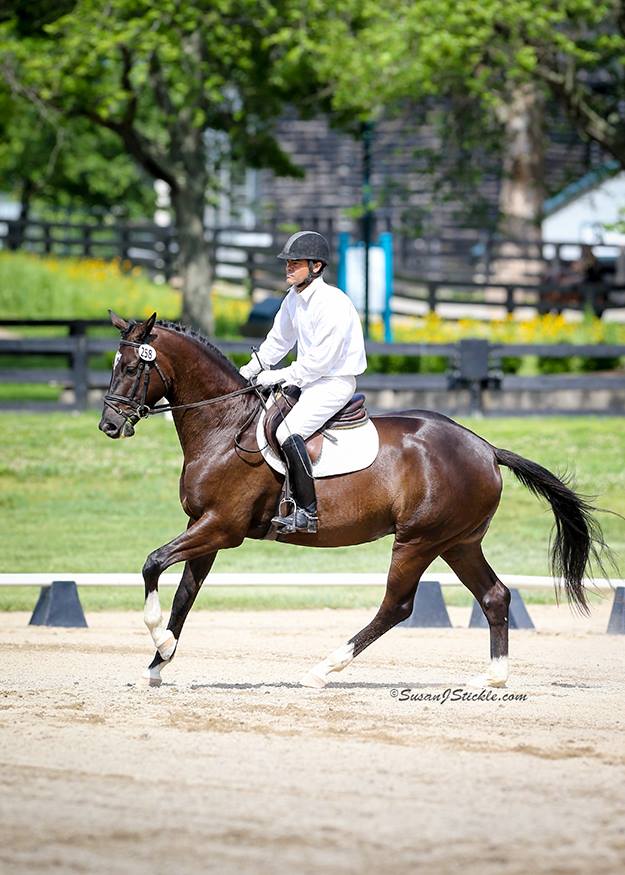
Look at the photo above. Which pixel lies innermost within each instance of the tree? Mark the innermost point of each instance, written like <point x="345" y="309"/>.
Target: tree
<point x="166" y="80"/>
<point x="500" y="61"/>
<point x="61" y="163"/>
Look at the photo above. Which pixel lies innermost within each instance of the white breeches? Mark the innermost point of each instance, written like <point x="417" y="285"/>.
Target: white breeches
<point x="317" y="403"/>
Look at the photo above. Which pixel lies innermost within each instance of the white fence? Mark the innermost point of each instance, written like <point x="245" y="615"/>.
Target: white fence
<point x="277" y="579"/>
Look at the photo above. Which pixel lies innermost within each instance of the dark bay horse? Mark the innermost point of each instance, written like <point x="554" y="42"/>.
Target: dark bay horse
<point x="435" y="486"/>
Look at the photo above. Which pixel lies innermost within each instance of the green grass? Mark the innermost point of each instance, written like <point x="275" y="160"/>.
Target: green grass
<point x="249" y="598"/>
<point x="73" y="501"/>
<point x="29" y="392"/>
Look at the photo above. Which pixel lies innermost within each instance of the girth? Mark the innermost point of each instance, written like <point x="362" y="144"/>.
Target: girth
<point x="353" y="414"/>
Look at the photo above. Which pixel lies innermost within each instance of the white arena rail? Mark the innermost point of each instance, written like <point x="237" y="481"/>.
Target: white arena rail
<point x="277" y="579"/>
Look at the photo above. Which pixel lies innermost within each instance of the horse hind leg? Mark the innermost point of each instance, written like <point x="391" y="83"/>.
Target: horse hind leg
<point x="407" y="565"/>
<point x="469" y="564"/>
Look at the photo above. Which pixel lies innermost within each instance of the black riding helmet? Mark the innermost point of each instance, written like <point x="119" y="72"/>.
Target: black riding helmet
<point x="308" y="245"/>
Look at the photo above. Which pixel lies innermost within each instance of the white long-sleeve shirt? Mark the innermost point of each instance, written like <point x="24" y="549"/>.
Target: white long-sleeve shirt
<point x="325" y="325"/>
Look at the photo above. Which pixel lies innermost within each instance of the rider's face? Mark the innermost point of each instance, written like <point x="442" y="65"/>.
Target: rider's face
<point x="297" y="271"/>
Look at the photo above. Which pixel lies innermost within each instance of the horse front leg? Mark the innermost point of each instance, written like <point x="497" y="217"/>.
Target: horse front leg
<point x="201" y="541"/>
<point x="193" y="576"/>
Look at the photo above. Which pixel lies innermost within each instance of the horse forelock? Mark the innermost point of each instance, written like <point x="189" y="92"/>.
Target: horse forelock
<point x="203" y="342"/>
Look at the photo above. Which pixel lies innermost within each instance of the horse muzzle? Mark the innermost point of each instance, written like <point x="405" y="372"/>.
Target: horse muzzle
<point x="115" y="430"/>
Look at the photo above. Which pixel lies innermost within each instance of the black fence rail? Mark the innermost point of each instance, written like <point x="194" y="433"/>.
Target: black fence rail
<point x="473" y="366"/>
<point x="428" y="271"/>
<point x="414" y="294"/>
<point x="144" y="245"/>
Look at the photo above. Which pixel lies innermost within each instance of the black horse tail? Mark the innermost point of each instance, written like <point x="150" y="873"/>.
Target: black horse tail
<point x="573" y="550"/>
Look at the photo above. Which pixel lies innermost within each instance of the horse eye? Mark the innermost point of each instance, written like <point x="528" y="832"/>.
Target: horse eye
<point x="131" y="370"/>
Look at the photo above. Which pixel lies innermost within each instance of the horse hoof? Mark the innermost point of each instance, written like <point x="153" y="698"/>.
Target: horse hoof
<point x="481" y="681"/>
<point x="314" y="681"/>
<point x="151" y="677"/>
<point x="496" y="682"/>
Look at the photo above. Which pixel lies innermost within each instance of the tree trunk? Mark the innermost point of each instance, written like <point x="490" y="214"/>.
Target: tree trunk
<point x="194" y="264"/>
<point x="17" y="232"/>
<point x="522" y="192"/>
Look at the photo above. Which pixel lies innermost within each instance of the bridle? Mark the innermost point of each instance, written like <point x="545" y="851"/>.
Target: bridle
<point x="137" y="398"/>
<point x="140" y="409"/>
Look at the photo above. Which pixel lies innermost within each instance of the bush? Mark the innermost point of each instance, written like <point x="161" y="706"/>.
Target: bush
<point x="549" y="328"/>
<point x="32" y="287"/>
<point x="590" y="365"/>
<point x="511" y="364"/>
<point x="548" y="365"/>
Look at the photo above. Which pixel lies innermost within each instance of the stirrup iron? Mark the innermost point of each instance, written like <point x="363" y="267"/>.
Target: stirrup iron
<point x="299" y="520"/>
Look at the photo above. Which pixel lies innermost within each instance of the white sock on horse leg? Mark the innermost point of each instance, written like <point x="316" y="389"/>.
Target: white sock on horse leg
<point x="152" y="676"/>
<point x="336" y="661"/>
<point x="153" y="617"/>
<point x="496" y="676"/>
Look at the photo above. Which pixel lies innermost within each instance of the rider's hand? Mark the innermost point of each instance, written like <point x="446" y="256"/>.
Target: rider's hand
<point x="250" y="369"/>
<point x="269" y="378"/>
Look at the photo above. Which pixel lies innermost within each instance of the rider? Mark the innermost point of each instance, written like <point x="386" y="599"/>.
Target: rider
<point x="324" y="323"/>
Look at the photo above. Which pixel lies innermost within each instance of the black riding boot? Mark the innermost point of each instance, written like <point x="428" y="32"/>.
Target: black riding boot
<point x="304" y="516"/>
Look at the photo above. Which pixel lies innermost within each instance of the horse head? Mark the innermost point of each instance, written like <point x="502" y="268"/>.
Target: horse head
<point x="137" y="380"/>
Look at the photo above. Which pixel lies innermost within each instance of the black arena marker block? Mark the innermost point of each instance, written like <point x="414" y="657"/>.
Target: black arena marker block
<point x="41" y="608"/>
<point x="59" y="605"/>
<point x="616" y="623"/>
<point x="518" y="617"/>
<point x="478" y="617"/>
<point x="429" y="607"/>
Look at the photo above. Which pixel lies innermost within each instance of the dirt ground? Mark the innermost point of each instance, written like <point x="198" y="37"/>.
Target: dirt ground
<point x="231" y="767"/>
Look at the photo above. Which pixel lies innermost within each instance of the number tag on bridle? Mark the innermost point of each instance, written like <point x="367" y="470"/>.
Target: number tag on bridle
<point x="147" y="353"/>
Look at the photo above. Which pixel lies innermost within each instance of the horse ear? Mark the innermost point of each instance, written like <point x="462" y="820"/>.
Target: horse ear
<point x="147" y="327"/>
<point x="118" y="322"/>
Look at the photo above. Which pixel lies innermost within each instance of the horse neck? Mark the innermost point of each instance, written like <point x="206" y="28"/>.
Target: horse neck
<point x="200" y="375"/>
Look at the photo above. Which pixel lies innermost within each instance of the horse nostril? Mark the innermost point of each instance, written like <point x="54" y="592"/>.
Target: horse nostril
<point x="108" y="427"/>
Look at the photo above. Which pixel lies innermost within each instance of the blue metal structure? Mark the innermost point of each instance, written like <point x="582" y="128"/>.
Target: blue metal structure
<point x="384" y="243"/>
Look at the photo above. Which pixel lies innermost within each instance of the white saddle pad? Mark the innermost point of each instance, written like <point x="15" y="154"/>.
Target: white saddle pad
<point x="356" y="448"/>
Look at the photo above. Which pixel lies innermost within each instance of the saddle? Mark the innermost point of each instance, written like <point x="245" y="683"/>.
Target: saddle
<point x="352" y="415"/>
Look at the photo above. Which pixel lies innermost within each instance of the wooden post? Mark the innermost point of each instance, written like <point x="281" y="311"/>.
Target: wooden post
<point x="86" y="246"/>
<point x="432" y="297"/>
<point x="510" y="299"/>
<point x="124" y="242"/>
<point x="80" y="365"/>
<point x="47" y="238"/>
<point x="589" y="297"/>
<point x="167" y="253"/>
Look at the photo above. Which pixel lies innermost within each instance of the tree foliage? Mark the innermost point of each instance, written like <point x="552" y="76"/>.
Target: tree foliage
<point x="184" y="87"/>
<point x="573" y="49"/>
<point x="55" y="164"/>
